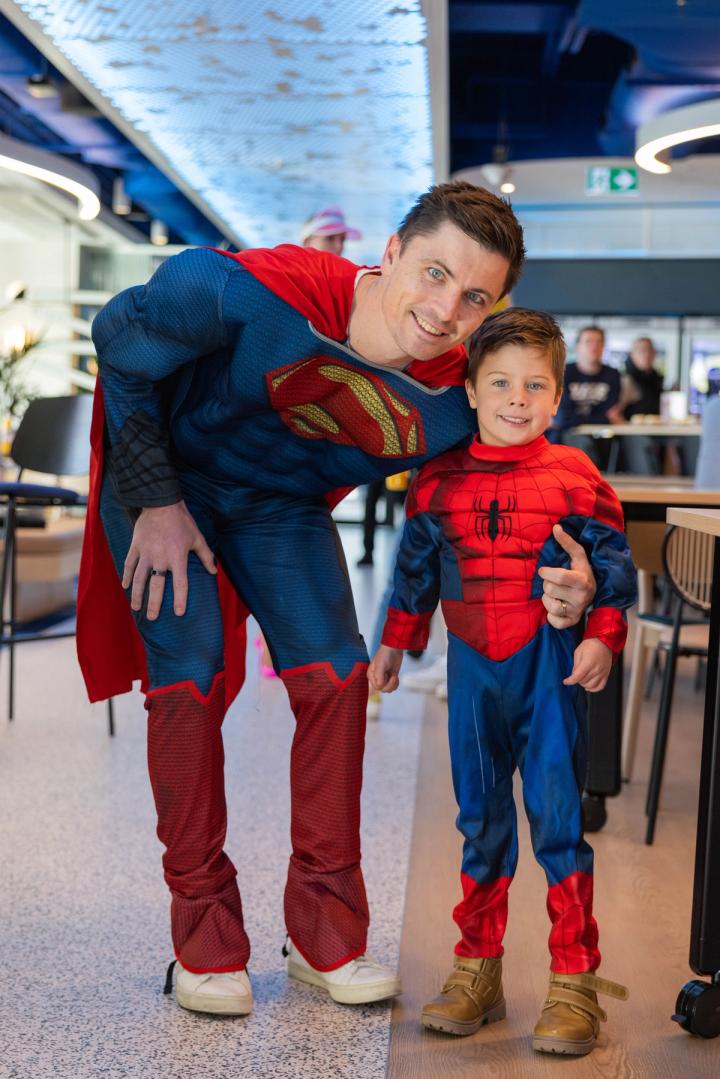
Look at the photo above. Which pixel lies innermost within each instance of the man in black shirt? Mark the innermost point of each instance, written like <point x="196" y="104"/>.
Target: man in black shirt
<point x="591" y="394"/>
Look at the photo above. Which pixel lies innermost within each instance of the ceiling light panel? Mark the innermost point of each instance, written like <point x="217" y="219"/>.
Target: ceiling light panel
<point x="270" y="111"/>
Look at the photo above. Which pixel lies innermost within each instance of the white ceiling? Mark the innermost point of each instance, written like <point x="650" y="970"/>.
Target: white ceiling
<point x="262" y="112"/>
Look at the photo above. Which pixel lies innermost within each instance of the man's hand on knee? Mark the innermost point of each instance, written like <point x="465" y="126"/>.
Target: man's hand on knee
<point x="568" y="592"/>
<point x="162" y="540"/>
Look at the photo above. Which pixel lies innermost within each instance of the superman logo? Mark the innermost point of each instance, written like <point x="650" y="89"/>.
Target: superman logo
<point x="325" y="398"/>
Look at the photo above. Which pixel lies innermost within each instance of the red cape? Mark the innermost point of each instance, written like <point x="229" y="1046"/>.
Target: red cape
<point x="318" y="285"/>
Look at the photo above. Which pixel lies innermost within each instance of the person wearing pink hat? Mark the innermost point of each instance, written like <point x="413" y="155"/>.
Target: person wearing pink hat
<point x="327" y="230"/>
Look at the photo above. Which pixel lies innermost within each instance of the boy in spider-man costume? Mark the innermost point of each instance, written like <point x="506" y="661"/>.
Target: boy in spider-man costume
<point x="481" y="522"/>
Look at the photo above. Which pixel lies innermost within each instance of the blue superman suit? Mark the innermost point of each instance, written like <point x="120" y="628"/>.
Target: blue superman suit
<point x="219" y="390"/>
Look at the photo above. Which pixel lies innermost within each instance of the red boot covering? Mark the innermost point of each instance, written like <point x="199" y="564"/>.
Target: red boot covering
<point x="186" y="762"/>
<point x="482" y="917"/>
<point x="325" y="904"/>
<point x="574" y="933"/>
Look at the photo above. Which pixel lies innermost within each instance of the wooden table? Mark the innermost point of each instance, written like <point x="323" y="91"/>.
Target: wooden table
<point x="613" y="431"/>
<point x="645" y="502"/>
<point x="657" y="430"/>
<point x="646" y="498"/>
<point x="705" y="927"/>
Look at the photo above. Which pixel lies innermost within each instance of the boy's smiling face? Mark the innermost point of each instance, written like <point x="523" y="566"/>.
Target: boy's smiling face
<point x="515" y="395"/>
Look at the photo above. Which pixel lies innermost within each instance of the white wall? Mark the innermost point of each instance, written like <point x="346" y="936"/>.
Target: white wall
<point x="628" y="231"/>
<point x="40" y="240"/>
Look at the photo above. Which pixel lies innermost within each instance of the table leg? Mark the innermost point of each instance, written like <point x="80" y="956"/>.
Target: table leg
<point x="604" y="744"/>
<point x="698" y="1004"/>
<point x="705" y="931"/>
<point x="614" y="455"/>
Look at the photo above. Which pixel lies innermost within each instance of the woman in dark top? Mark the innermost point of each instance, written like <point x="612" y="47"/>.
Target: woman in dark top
<point x="640" y="396"/>
<point x="641" y="384"/>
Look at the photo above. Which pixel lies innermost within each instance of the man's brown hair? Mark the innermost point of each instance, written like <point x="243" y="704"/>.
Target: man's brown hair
<point x="590" y="328"/>
<point x="518" y="326"/>
<point x="487" y="219"/>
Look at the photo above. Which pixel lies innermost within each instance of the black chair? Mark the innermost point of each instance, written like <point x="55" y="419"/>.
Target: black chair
<point x="53" y="438"/>
<point x="688" y="560"/>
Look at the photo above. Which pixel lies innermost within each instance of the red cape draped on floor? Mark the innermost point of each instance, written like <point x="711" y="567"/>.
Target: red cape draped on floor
<point x="109" y="645"/>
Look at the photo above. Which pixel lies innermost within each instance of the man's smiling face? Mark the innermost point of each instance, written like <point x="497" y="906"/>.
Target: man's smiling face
<point x="438" y="289"/>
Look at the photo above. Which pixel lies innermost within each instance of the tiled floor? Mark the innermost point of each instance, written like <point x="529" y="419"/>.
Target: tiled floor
<point x="83" y="908"/>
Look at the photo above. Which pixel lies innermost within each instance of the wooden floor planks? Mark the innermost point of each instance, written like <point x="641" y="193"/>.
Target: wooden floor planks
<point x="643" y="897"/>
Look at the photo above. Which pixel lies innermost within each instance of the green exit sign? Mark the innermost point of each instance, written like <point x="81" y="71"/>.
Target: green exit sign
<point x="607" y="180"/>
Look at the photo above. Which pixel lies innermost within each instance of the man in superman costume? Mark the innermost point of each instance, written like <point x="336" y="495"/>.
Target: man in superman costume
<point x="480" y="527"/>
<point x="240" y="394"/>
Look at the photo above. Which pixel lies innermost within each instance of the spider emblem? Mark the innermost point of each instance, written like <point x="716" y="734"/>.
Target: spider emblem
<point x="492" y="521"/>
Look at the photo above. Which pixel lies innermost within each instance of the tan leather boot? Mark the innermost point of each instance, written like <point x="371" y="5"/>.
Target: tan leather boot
<point x="471" y="997"/>
<point x="571" y="1015"/>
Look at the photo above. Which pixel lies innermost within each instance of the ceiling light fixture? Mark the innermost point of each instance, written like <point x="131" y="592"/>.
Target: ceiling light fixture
<point x="158" y="232"/>
<point x="498" y="176"/>
<point x="673" y="128"/>
<point x="20" y="157"/>
<point x="120" y="202"/>
<point x="493" y="173"/>
<point x="39" y="86"/>
<point x="15" y="290"/>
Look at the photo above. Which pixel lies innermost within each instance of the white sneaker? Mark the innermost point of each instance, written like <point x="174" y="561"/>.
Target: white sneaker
<point x="220" y="994"/>
<point x="373" y="706"/>
<point x="360" y="981"/>
<point x="428" y="678"/>
<point x="441" y="690"/>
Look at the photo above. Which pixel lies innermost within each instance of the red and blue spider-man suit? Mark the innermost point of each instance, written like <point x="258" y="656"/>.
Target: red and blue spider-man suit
<point x="226" y="384"/>
<point x="479" y="527"/>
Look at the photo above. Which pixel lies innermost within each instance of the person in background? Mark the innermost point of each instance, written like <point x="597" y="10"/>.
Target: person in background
<point x="641" y="384"/>
<point x="373" y="493"/>
<point x="591" y="394"/>
<point x="327" y="230"/>
<point x="640" y="389"/>
<point x="707" y="473"/>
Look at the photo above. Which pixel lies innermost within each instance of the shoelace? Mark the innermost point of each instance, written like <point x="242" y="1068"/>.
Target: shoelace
<point x="365" y="962"/>
<point x="168" y="978"/>
<point x="361" y="961"/>
<point x="167" y="990"/>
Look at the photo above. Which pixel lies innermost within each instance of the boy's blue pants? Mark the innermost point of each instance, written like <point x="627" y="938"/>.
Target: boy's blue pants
<point x="503" y="715"/>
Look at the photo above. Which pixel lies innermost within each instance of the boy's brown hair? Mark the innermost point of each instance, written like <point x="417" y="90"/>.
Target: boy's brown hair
<point x="487" y="219"/>
<point x="518" y="326"/>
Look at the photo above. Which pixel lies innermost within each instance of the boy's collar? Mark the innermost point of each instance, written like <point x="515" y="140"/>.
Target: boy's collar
<point x="506" y="453"/>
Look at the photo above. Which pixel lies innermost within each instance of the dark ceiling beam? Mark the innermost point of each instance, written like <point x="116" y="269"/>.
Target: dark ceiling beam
<point x="573" y="37"/>
<point x="508" y="18"/>
<point x="574" y="79"/>
<point x="69" y="124"/>
<point x="677" y="61"/>
<point x="667" y="36"/>
<point x="470" y="129"/>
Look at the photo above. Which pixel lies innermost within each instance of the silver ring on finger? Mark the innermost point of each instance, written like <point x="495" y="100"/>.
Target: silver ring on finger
<point x="564" y="607"/>
<point x="159" y="572"/>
